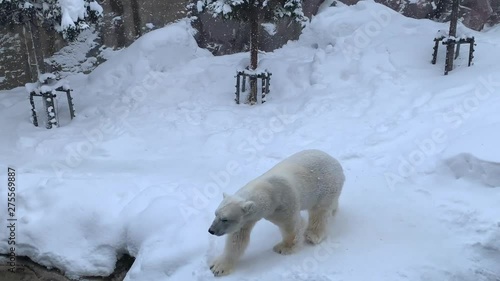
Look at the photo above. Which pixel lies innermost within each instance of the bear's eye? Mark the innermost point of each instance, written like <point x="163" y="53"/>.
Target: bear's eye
<point x="224" y="220"/>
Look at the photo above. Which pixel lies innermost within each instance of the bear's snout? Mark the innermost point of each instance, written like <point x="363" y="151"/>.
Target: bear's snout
<point x="215" y="231"/>
<point x="211" y="231"/>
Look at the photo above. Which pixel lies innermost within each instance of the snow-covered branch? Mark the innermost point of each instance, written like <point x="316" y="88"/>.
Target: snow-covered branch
<point x="66" y="16"/>
<point x="241" y="8"/>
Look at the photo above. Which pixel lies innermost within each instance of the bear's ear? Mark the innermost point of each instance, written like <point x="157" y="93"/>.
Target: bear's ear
<point x="224" y="195"/>
<point x="248" y="207"/>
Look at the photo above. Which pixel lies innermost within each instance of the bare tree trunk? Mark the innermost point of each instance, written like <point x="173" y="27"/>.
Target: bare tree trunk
<point x="34" y="51"/>
<point x="254" y="52"/>
<point x="136" y="16"/>
<point x="254" y="39"/>
<point x="450" y="48"/>
<point x="117" y="9"/>
<point x="30" y="58"/>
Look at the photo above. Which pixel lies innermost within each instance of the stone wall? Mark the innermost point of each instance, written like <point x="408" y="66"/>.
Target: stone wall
<point x="474" y="14"/>
<point x="19" y="58"/>
<point x="125" y="20"/>
<point x="226" y="37"/>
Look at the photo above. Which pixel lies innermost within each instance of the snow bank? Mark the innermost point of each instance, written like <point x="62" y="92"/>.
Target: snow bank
<point x="72" y="228"/>
<point x="339" y="28"/>
<point x="160" y="50"/>
<point x="468" y="166"/>
<point x="475" y="156"/>
<point x="480" y="142"/>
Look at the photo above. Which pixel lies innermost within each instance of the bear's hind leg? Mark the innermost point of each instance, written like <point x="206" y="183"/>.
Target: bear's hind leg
<point x="335" y="206"/>
<point x="316" y="228"/>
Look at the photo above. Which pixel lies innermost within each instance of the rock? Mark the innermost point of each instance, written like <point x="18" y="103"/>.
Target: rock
<point x="27" y="270"/>
<point x="474" y="13"/>
<point x="230" y="36"/>
<point x="125" y="20"/>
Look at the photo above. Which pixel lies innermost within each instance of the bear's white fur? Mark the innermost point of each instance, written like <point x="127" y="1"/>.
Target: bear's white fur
<point x="308" y="180"/>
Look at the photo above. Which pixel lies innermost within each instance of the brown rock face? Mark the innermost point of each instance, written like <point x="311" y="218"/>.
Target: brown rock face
<point x="478" y="14"/>
<point x="228" y="36"/>
<point x="474" y="13"/>
<point x="125" y="20"/>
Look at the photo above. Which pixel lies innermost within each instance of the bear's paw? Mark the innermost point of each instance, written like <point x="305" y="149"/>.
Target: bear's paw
<point x="221" y="267"/>
<point x="313" y="238"/>
<point x="283" y="249"/>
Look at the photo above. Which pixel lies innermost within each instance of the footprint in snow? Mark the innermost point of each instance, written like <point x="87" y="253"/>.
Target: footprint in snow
<point x="422" y="99"/>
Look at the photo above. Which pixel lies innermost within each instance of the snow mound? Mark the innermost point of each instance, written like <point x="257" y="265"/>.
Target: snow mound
<point x="492" y="242"/>
<point x="475" y="156"/>
<point x="488" y="252"/>
<point x="346" y="31"/>
<point x="160" y="50"/>
<point x="468" y="166"/>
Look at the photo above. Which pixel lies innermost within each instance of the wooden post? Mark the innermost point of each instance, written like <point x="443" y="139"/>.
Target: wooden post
<point x="244" y="82"/>
<point x="33" y="110"/>
<point x="237" y="99"/>
<point x="434" y="54"/>
<point x="263" y="86"/>
<point x="70" y="103"/>
<point x="268" y="82"/>
<point x="471" y="50"/>
<point x="254" y="51"/>
<point x="48" y="100"/>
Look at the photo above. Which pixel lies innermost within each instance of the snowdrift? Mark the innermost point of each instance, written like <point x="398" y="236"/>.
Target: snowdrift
<point x="475" y="157"/>
<point x="161" y="50"/>
<point x="468" y="166"/>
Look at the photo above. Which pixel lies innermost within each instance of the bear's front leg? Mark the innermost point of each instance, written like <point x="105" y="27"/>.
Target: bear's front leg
<point x="236" y="243"/>
<point x="292" y="231"/>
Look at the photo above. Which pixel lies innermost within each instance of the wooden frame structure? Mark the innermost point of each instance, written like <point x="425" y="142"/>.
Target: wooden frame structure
<point x="244" y="75"/>
<point x="450" y="41"/>
<point x="447" y="41"/>
<point x="49" y="101"/>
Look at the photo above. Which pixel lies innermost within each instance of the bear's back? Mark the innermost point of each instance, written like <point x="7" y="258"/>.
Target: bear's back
<point x="314" y="174"/>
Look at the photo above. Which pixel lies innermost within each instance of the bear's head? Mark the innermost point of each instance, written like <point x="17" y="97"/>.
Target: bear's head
<point x="231" y="215"/>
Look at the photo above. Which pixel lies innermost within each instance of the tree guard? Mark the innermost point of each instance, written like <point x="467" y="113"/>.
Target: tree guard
<point x="46" y="89"/>
<point x="254" y="12"/>
<point x="451" y="41"/>
<point x="244" y="75"/>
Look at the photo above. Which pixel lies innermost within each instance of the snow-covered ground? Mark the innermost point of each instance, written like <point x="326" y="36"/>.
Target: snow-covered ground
<point x="158" y="137"/>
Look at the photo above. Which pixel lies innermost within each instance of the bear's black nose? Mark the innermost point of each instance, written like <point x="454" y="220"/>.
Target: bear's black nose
<point x="211" y="231"/>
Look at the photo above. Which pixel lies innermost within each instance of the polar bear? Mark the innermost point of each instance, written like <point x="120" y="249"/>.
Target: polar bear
<point x="308" y="180"/>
